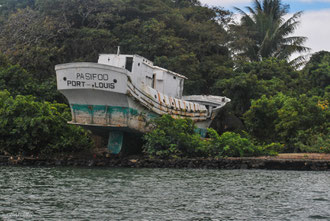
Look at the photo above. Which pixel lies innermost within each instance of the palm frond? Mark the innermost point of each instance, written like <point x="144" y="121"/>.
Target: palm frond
<point x="269" y="31"/>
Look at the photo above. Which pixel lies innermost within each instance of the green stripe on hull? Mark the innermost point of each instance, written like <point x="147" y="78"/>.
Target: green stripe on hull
<point x="111" y="116"/>
<point x="115" y="120"/>
<point x="90" y="109"/>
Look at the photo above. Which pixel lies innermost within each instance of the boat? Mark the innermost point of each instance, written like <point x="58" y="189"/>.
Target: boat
<point x="122" y="93"/>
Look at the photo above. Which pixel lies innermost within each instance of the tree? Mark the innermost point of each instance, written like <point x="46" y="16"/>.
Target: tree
<point x="260" y="119"/>
<point x="263" y="32"/>
<point x="180" y="35"/>
<point x="295" y="121"/>
<point x="31" y="127"/>
<point x="30" y="39"/>
<point x="251" y="80"/>
<point x="10" y="6"/>
<point x="317" y="72"/>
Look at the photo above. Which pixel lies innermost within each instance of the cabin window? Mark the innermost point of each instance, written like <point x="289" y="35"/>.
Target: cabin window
<point x="129" y="63"/>
<point x="153" y="83"/>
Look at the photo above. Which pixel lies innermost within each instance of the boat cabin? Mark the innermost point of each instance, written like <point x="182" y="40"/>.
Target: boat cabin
<point x="143" y="72"/>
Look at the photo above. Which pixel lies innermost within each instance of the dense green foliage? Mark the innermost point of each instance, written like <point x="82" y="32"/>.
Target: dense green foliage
<point x="247" y="62"/>
<point x="302" y="123"/>
<point x="20" y="82"/>
<point x="172" y="137"/>
<point x="177" y="138"/>
<point x="29" y="127"/>
<point x="317" y="72"/>
<point x="251" y="80"/>
<point x="180" y="35"/>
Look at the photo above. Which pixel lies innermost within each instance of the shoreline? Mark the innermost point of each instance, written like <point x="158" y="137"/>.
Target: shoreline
<point x="299" y="162"/>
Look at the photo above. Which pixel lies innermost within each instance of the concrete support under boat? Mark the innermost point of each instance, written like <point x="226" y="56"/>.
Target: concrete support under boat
<point x="115" y="141"/>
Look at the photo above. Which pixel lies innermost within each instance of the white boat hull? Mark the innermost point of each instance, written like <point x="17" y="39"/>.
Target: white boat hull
<point x="102" y="97"/>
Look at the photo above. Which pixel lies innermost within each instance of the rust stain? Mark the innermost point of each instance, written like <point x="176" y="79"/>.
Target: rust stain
<point x="159" y="98"/>
<point x="190" y="114"/>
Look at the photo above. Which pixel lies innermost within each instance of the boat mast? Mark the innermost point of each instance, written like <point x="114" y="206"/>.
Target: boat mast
<point x="118" y="50"/>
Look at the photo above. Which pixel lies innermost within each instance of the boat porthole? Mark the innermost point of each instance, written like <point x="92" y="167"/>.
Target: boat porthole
<point x="64" y="78"/>
<point x="156" y="96"/>
<point x="114" y="80"/>
<point x="138" y="64"/>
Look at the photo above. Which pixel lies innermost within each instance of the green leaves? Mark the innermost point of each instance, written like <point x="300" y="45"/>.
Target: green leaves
<point x="296" y="122"/>
<point x="178" y="35"/>
<point x="172" y="137"/>
<point x="260" y="118"/>
<point x="18" y="81"/>
<point x="318" y="71"/>
<point x="231" y="144"/>
<point x="29" y="127"/>
<point x="264" y="33"/>
<point x="176" y="138"/>
<point x="251" y="80"/>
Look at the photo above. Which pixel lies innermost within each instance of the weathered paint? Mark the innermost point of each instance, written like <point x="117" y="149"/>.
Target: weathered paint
<point x="159" y="106"/>
<point x="111" y="116"/>
<point x="109" y="97"/>
<point x="115" y="117"/>
<point x="115" y="141"/>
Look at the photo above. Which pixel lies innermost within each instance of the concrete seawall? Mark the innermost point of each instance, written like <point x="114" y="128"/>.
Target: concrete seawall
<point x="307" y="162"/>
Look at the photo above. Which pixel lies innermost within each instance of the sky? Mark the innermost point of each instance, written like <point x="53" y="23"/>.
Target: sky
<point x="315" y="21"/>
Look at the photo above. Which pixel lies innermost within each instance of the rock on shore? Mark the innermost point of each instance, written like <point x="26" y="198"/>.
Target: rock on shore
<point x="316" y="162"/>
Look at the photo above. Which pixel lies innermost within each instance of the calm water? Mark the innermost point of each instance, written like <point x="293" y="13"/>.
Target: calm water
<point x="162" y="194"/>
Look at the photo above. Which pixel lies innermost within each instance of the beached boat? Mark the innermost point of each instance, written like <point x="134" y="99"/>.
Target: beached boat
<point x="122" y="93"/>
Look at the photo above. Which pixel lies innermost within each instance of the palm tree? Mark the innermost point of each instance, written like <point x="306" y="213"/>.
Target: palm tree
<point x="263" y="32"/>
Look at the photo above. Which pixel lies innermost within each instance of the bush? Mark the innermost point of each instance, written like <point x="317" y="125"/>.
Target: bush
<point x="16" y="80"/>
<point x="231" y="144"/>
<point x="172" y="137"/>
<point x="262" y="116"/>
<point x="29" y="127"/>
<point x="297" y="122"/>
<point x="20" y="82"/>
<point x="273" y="149"/>
<point x="310" y="141"/>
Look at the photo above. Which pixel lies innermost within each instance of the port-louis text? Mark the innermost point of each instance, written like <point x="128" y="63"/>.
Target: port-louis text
<point x="91" y="80"/>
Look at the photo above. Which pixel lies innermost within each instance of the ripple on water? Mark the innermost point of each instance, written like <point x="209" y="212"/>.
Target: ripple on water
<point x="29" y="193"/>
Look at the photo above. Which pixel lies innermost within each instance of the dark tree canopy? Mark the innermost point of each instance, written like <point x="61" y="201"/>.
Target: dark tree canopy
<point x="179" y="35"/>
